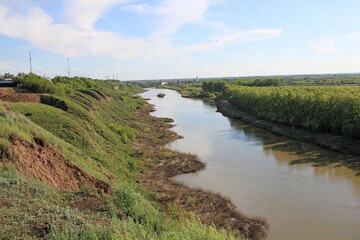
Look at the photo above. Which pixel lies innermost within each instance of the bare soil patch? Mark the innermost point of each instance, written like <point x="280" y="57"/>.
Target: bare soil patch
<point x="47" y="164"/>
<point x="16" y="95"/>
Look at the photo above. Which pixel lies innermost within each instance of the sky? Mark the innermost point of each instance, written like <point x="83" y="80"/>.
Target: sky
<point x="167" y="39"/>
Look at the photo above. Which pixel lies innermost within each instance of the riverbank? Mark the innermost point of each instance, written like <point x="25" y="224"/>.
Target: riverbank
<point x="163" y="164"/>
<point x="69" y="170"/>
<point x="327" y="140"/>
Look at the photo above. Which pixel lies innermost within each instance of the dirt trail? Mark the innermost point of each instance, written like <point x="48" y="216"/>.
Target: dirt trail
<point x="47" y="164"/>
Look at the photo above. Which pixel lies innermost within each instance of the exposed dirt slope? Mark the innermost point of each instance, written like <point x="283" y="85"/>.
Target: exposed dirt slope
<point x="47" y="164"/>
<point x="11" y="95"/>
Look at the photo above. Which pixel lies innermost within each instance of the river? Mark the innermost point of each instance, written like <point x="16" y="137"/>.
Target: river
<point x="254" y="169"/>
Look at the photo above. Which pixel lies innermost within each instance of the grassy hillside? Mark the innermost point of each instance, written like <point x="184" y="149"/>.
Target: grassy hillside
<point x="67" y="167"/>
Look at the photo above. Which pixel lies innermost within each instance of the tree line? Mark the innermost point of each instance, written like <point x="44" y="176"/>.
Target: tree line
<point x="333" y="109"/>
<point x="63" y="84"/>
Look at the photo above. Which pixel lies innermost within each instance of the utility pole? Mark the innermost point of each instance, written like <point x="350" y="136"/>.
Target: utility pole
<point x="68" y="65"/>
<point x="30" y="61"/>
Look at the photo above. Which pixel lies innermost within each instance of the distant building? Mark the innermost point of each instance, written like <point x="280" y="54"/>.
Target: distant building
<point x="8" y="82"/>
<point x="164" y="83"/>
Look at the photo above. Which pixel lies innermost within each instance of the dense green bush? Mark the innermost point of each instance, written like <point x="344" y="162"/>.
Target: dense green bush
<point x="321" y="108"/>
<point x="266" y="82"/>
<point x="134" y="205"/>
<point x="126" y="134"/>
<point x="214" y="86"/>
<point x="37" y="84"/>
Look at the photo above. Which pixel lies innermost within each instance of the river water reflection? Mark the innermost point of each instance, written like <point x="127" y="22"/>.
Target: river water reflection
<point x="256" y="170"/>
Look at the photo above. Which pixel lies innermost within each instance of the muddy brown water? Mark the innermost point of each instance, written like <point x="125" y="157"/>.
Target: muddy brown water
<point x="255" y="169"/>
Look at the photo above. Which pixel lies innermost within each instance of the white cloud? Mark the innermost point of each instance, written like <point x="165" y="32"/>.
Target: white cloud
<point x="173" y="14"/>
<point x="328" y="45"/>
<point x="234" y="38"/>
<point x="176" y="13"/>
<point x="84" y="13"/>
<point x="138" y="8"/>
<point x="324" y="46"/>
<point x="78" y="36"/>
<point x="38" y="28"/>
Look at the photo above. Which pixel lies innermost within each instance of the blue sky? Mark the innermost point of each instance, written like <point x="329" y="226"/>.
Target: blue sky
<point x="159" y="39"/>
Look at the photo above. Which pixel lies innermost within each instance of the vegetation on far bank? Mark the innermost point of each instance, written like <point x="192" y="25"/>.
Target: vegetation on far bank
<point x="334" y="109"/>
<point x="91" y="123"/>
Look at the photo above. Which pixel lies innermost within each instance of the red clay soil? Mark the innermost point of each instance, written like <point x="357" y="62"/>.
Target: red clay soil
<point x="11" y="95"/>
<point x="47" y="164"/>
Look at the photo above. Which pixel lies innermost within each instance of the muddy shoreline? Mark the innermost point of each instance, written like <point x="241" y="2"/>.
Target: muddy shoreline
<point x="326" y="140"/>
<point x="163" y="164"/>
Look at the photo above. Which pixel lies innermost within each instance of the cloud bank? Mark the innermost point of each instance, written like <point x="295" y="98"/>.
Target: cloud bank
<point x="328" y="45"/>
<point x="76" y="35"/>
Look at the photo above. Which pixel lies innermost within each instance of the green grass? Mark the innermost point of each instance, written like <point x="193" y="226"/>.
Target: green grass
<point x="28" y="205"/>
<point x="56" y="121"/>
<point x="130" y="230"/>
<point x="84" y="130"/>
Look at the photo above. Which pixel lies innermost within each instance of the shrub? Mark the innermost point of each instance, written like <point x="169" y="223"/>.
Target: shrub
<point x="126" y="134"/>
<point x="134" y="205"/>
<point x="37" y="84"/>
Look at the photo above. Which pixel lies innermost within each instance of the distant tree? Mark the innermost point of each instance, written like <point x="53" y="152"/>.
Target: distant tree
<point x="261" y="82"/>
<point x="20" y="76"/>
<point x="8" y="76"/>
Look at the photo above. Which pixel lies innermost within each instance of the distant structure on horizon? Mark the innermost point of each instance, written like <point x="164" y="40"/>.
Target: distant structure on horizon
<point x="30" y="61"/>
<point x="68" y="65"/>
